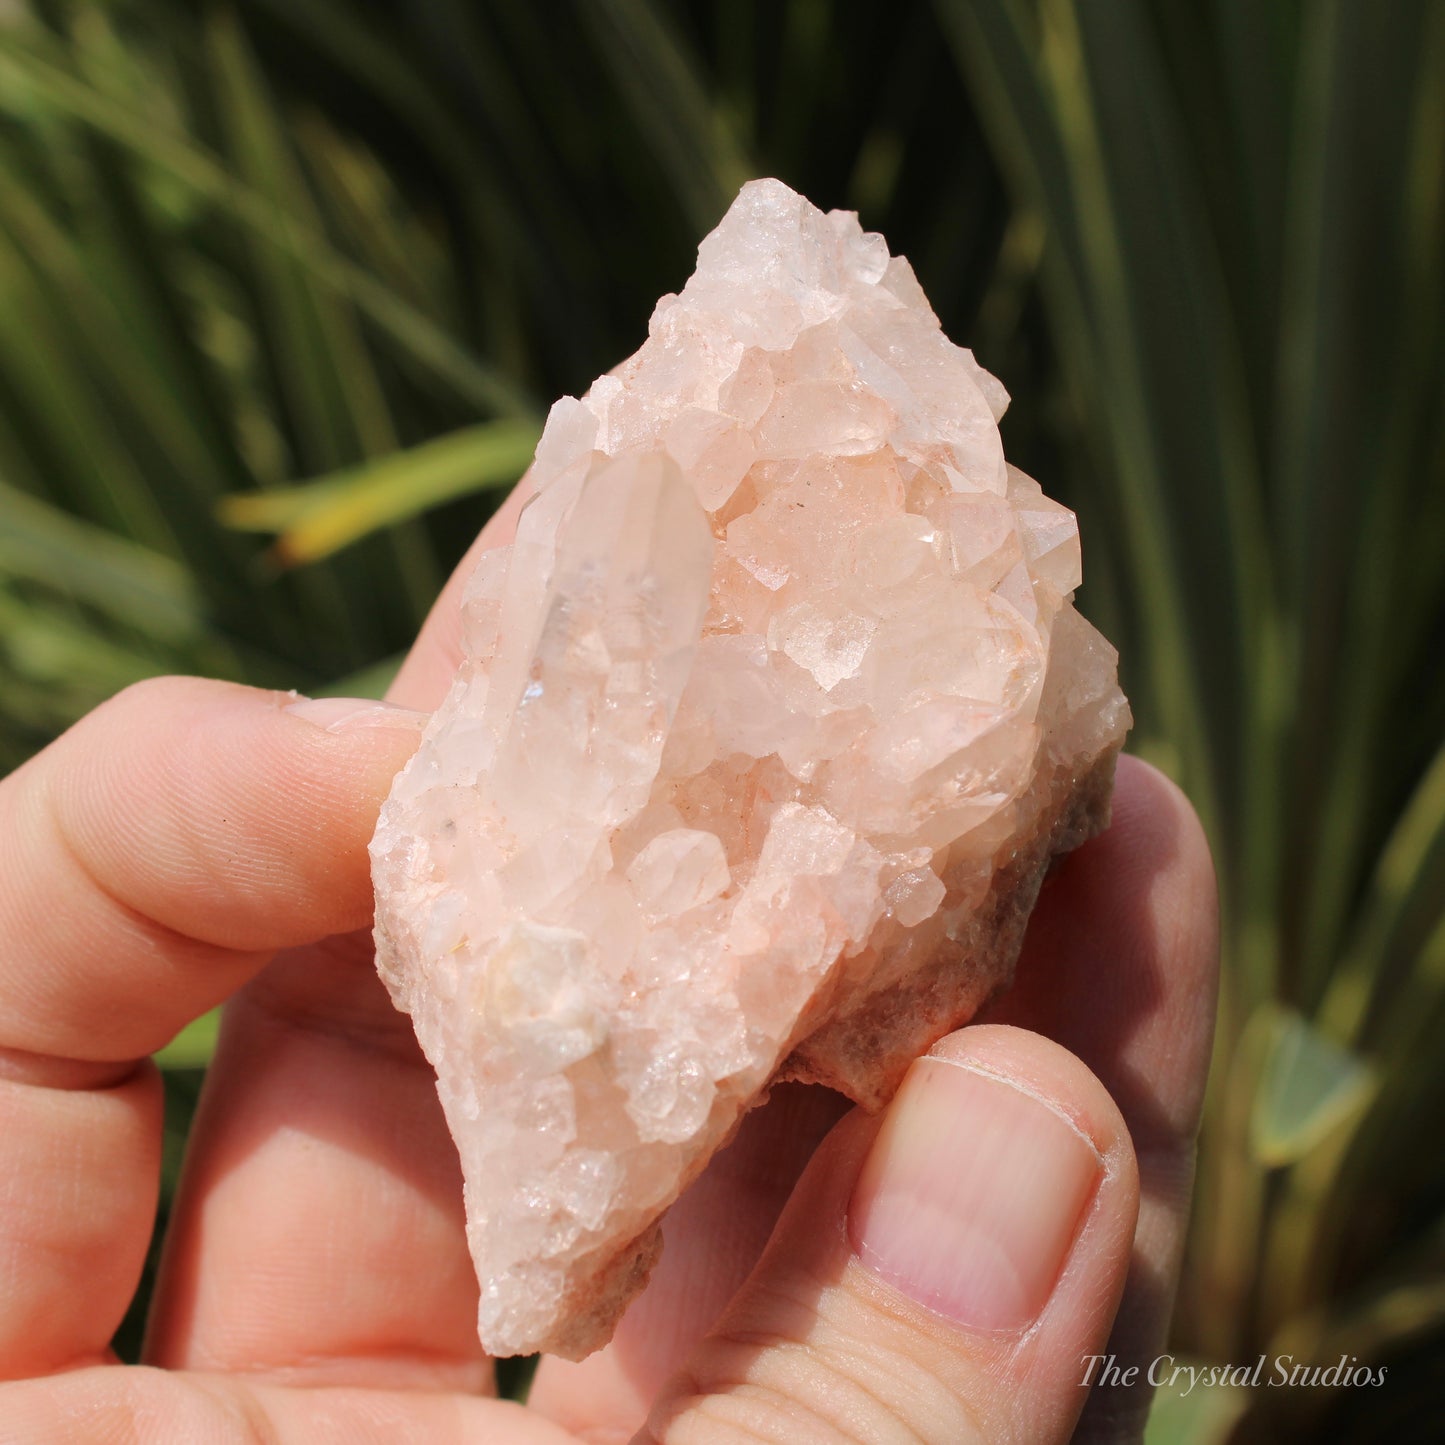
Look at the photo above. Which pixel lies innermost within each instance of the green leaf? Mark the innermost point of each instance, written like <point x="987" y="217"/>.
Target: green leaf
<point x="320" y="517"/>
<point x="144" y="589"/>
<point x="1380" y="989"/>
<point x="372" y="681"/>
<point x="194" y="1046"/>
<point x="1310" y="1085"/>
<point x="1206" y="1415"/>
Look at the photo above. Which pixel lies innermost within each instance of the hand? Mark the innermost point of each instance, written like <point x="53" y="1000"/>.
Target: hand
<point x="939" y="1274"/>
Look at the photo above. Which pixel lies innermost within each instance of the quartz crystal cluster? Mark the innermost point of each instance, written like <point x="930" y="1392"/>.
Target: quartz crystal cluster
<point x="769" y="722"/>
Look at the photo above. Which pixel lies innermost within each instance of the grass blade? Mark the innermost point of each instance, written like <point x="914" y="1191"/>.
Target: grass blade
<point x="319" y="517"/>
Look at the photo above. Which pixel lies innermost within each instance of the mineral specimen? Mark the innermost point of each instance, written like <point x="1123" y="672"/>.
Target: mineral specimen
<point x="770" y="721"/>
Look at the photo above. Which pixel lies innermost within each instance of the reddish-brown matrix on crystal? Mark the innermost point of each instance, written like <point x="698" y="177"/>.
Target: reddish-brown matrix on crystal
<point x="769" y="722"/>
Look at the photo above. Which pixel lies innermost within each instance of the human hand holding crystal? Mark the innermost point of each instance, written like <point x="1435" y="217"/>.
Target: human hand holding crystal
<point x="938" y="1273"/>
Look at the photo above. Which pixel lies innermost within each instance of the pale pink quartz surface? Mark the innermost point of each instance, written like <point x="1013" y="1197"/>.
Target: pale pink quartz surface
<point x="770" y="720"/>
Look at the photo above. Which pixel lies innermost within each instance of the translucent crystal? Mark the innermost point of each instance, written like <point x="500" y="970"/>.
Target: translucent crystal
<point x="770" y="720"/>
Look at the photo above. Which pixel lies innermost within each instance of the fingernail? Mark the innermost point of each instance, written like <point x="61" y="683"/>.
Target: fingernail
<point x="349" y="714"/>
<point x="972" y="1195"/>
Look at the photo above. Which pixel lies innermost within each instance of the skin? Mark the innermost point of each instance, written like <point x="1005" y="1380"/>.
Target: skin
<point x="191" y="842"/>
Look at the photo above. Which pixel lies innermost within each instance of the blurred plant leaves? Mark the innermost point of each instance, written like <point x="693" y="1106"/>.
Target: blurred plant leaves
<point x="28" y="77"/>
<point x="658" y="77"/>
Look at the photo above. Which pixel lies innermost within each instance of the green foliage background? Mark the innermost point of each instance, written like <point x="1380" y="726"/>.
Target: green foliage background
<point x="286" y="285"/>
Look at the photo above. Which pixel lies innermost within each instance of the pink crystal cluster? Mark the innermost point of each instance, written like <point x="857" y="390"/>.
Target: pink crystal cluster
<point x="770" y="720"/>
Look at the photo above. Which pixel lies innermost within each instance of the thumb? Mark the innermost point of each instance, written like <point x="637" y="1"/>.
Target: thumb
<point x="940" y="1275"/>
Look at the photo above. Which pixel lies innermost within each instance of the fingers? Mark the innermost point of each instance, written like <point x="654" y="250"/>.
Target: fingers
<point x="939" y="1277"/>
<point x="318" y="1234"/>
<point x="1121" y="967"/>
<point x="87" y="1406"/>
<point x="156" y="852"/>
<point x="78" y="1185"/>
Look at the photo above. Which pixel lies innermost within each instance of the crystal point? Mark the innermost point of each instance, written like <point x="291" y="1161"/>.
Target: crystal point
<point x="769" y="723"/>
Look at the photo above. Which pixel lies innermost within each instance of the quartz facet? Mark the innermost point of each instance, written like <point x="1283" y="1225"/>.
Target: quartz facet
<point x="769" y="723"/>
